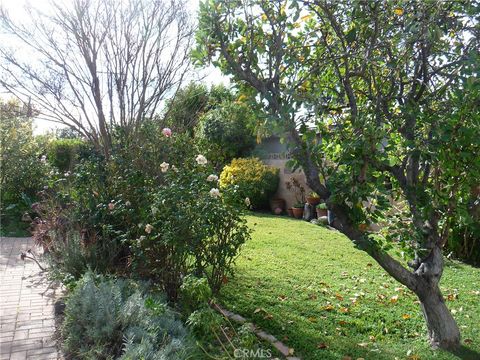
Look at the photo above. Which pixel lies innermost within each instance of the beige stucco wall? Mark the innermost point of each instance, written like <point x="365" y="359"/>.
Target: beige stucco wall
<point x="285" y="175"/>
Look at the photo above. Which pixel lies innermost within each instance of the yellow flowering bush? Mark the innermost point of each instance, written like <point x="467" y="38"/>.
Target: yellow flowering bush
<point x="253" y="179"/>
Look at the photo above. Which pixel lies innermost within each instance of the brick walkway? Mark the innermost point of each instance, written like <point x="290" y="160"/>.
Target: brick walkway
<point x="27" y="298"/>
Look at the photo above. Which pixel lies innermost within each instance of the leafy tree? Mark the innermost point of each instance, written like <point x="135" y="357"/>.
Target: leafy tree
<point x="379" y="81"/>
<point x="184" y="111"/>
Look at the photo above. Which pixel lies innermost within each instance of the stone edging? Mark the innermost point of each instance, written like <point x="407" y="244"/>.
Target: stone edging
<point x="277" y="344"/>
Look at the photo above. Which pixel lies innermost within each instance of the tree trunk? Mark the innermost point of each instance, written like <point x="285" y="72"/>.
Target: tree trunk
<point x="443" y="331"/>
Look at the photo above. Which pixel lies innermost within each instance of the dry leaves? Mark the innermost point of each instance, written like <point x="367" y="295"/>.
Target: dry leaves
<point x="451" y="297"/>
<point x="328" y="307"/>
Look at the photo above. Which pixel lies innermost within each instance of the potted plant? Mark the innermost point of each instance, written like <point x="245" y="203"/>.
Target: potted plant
<point x="290" y="212"/>
<point x="298" y="210"/>
<point x="294" y="186"/>
<point x="313" y="198"/>
<point x="321" y="210"/>
<point x="277" y="205"/>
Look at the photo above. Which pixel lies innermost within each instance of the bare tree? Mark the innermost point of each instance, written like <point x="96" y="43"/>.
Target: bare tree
<point x="96" y="64"/>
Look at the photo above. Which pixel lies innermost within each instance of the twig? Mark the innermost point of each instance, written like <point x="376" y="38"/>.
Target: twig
<point x="23" y="256"/>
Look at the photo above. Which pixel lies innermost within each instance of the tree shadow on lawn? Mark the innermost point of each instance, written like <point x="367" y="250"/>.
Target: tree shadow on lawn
<point x="465" y="353"/>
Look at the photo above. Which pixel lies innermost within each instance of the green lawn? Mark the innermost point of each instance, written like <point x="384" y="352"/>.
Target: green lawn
<point x="312" y="289"/>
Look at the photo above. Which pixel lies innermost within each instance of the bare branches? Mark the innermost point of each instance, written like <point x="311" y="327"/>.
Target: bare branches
<point x="96" y="64"/>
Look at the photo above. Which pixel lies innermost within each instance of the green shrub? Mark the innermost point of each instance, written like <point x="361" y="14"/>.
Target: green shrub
<point x="253" y="179"/>
<point x="226" y="132"/>
<point x="115" y="318"/>
<point x="65" y="153"/>
<point x="71" y="258"/>
<point x="195" y="293"/>
<point x="23" y="171"/>
<point x="192" y="228"/>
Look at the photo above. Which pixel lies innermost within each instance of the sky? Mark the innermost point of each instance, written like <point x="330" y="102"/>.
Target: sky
<point x="16" y="10"/>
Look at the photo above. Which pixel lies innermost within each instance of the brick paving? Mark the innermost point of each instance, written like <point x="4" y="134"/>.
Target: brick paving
<point x="27" y="298"/>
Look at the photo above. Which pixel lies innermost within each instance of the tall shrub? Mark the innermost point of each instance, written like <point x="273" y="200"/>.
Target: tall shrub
<point x="65" y="153"/>
<point x="23" y="169"/>
<point x="227" y="132"/>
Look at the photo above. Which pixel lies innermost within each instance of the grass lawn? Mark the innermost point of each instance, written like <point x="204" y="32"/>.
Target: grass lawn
<point x="312" y="289"/>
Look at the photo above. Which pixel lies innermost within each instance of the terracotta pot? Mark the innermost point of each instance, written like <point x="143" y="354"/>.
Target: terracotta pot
<point x="321" y="212"/>
<point x="313" y="200"/>
<point x="277" y="203"/>
<point x="297" y="212"/>
<point x="290" y="212"/>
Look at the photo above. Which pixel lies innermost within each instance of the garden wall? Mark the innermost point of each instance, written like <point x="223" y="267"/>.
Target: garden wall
<point x="272" y="152"/>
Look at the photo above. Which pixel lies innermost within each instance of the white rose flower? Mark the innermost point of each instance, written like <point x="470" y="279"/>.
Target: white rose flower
<point x="201" y="160"/>
<point x="212" y="177"/>
<point x="214" y="192"/>
<point x="148" y="228"/>
<point x="247" y="201"/>
<point x="164" y="166"/>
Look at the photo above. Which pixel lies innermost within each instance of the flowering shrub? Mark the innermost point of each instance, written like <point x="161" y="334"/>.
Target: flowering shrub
<point x="101" y="202"/>
<point x="192" y="228"/>
<point x="154" y="207"/>
<point x="254" y="180"/>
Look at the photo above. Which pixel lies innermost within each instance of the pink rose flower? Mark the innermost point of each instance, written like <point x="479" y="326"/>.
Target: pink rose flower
<point x="167" y="132"/>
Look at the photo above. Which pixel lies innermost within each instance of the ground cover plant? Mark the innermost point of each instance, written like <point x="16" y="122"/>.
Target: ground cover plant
<point x="119" y="319"/>
<point x="312" y="289"/>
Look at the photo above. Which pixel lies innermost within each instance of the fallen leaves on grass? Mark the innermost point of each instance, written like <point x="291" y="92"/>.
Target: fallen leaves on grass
<point x="406" y="316"/>
<point x="339" y="297"/>
<point x="468" y="341"/>
<point x="394" y="299"/>
<point x="343" y="310"/>
<point x="322" y="346"/>
<point x="328" y="307"/>
<point x="452" y="297"/>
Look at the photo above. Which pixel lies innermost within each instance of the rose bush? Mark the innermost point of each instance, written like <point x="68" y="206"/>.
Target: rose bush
<point x="192" y="228"/>
<point x="153" y="209"/>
